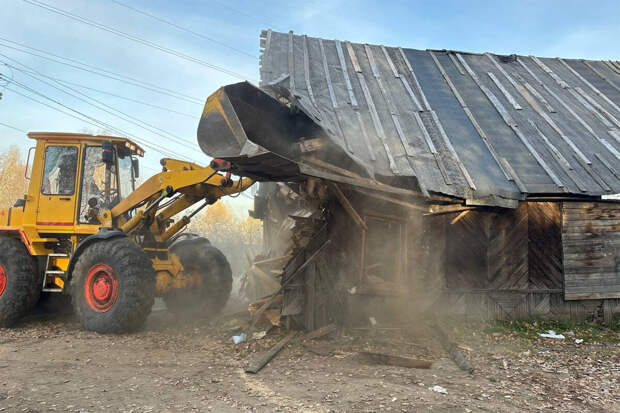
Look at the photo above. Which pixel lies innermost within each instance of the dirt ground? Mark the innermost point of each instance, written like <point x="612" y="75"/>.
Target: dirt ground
<point x="51" y="365"/>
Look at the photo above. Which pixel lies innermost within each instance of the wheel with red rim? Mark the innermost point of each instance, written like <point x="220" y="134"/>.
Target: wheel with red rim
<point x="2" y="280"/>
<point x="101" y="288"/>
<point x="113" y="286"/>
<point x="20" y="284"/>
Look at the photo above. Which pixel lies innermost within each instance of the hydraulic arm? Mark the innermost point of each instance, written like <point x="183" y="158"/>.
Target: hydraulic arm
<point x="180" y="186"/>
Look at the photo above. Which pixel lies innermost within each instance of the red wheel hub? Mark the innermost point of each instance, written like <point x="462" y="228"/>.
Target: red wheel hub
<point x="2" y="280"/>
<point x="101" y="288"/>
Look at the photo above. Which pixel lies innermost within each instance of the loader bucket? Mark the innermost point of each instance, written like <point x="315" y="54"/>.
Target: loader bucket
<point x="243" y="124"/>
<point x="268" y="139"/>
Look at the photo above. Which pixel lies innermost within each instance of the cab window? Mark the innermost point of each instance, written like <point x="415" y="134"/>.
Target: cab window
<point x="59" y="170"/>
<point x="94" y="184"/>
<point x="125" y="171"/>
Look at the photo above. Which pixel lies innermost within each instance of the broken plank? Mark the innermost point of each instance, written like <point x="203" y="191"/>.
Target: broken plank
<point x="258" y="364"/>
<point x="344" y="201"/>
<point x="459" y="217"/>
<point x="453" y="350"/>
<point x="460" y="209"/>
<point x="389" y="360"/>
<point x="275" y="295"/>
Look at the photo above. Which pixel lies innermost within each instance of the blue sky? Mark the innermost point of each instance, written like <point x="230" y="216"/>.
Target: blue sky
<point x="544" y="28"/>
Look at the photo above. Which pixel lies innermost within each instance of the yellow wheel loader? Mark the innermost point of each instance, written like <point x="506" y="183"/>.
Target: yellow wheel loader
<point x="85" y="230"/>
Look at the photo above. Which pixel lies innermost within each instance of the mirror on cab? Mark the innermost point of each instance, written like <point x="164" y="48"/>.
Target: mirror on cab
<point x="135" y="164"/>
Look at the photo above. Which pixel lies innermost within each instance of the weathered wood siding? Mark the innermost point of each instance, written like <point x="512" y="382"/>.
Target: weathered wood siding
<point x="545" y="245"/>
<point x="591" y="250"/>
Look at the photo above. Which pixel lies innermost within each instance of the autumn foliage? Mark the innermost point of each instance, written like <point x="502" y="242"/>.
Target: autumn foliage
<point x="13" y="184"/>
<point x="221" y="225"/>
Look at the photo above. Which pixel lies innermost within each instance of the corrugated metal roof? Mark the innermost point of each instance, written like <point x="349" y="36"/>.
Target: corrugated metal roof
<point x="466" y="125"/>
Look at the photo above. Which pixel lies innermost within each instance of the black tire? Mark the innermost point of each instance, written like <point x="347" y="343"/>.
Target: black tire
<point x="22" y="288"/>
<point x="135" y="286"/>
<point x="198" y="255"/>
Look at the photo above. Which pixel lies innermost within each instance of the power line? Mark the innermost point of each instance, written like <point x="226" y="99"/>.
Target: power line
<point x="135" y="38"/>
<point x="152" y="16"/>
<point x="104" y="73"/>
<point x="13" y="127"/>
<point x="126" y="117"/>
<point x="93" y="121"/>
<point x="115" y="95"/>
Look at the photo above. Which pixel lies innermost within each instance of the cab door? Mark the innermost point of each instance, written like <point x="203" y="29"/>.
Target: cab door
<point x="57" y="201"/>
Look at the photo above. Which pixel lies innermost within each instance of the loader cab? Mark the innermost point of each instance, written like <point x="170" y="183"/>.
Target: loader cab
<point x="74" y="176"/>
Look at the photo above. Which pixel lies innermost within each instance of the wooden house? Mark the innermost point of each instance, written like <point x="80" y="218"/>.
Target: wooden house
<point x="473" y="184"/>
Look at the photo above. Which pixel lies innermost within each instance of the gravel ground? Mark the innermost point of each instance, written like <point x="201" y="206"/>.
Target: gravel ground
<point x="51" y="365"/>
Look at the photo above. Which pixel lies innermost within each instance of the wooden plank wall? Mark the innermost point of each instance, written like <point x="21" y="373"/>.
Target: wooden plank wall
<point x="522" y="274"/>
<point x="545" y="245"/>
<point x="591" y="239"/>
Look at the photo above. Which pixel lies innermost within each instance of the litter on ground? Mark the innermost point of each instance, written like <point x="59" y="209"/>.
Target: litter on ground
<point x="552" y="334"/>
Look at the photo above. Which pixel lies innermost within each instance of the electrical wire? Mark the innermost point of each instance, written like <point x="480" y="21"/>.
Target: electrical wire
<point x="13" y="127"/>
<point x="136" y="39"/>
<point x="140" y="102"/>
<point x="93" y="121"/>
<point x="103" y="72"/>
<point x="185" y="29"/>
<point x="126" y="117"/>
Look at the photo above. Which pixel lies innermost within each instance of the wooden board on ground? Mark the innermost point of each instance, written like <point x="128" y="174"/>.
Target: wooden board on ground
<point x="267" y="356"/>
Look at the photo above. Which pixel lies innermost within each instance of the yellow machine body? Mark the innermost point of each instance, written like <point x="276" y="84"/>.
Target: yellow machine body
<point x="55" y="215"/>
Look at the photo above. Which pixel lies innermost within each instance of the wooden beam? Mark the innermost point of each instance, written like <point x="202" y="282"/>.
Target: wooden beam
<point x="441" y="210"/>
<point x="417" y="207"/>
<point x="347" y="205"/>
<point x="321" y="163"/>
<point x="459" y="217"/>
<point x="312" y="170"/>
<point x="452" y="349"/>
<point x="266" y="357"/>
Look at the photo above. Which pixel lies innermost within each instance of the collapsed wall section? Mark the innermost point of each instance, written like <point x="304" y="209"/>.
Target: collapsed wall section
<point x="403" y="259"/>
